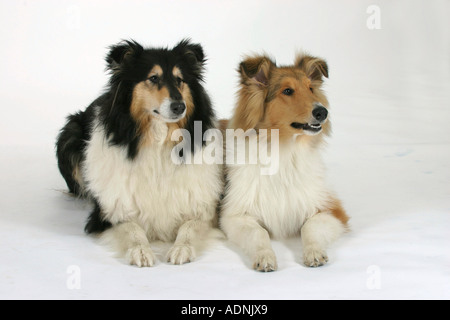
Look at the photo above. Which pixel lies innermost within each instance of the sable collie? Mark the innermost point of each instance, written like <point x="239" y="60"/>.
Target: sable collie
<point x="118" y="153"/>
<point x="295" y="199"/>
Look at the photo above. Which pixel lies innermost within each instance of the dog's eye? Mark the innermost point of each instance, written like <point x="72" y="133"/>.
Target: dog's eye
<point x="154" y="79"/>
<point x="311" y="89"/>
<point x="288" y="92"/>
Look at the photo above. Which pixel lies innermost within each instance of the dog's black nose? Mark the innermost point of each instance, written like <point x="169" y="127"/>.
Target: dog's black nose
<point x="320" y="113"/>
<point x="177" y="107"/>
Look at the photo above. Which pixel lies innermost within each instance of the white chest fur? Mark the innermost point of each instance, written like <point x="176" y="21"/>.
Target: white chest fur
<point x="283" y="201"/>
<point x="150" y="189"/>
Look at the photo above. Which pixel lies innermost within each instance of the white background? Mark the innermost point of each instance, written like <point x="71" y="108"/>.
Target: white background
<point x="388" y="159"/>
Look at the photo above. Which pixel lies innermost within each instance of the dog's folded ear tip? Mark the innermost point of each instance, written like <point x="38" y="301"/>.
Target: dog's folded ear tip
<point x="256" y="68"/>
<point x="194" y="50"/>
<point x="314" y="67"/>
<point x="121" y="52"/>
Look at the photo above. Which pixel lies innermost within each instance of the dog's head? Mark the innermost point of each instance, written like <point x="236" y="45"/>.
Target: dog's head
<point x="157" y="80"/>
<point x="154" y="85"/>
<point x="287" y="98"/>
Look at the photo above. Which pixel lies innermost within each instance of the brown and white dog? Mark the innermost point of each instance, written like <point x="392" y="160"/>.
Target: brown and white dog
<point x="295" y="199"/>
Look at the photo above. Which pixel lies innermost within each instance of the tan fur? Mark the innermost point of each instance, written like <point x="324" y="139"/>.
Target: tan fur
<point x="294" y="199"/>
<point x="78" y="176"/>
<point x="283" y="110"/>
<point x="147" y="95"/>
<point x="269" y="108"/>
<point x="250" y="106"/>
<point x="314" y="67"/>
<point x="223" y="125"/>
<point x="338" y="212"/>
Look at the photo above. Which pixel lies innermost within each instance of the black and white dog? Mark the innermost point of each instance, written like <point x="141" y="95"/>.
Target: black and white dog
<point x="118" y="153"/>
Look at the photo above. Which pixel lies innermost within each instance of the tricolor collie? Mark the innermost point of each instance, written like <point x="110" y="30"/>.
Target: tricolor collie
<point x="118" y="153"/>
<point x="295" y="199"/>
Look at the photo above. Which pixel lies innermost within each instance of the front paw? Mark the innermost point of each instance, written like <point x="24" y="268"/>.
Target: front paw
<point x="180" y="254"/>
<point x="265" y="261"/>
<point x="141" y="256"/>
<point x="314" y="258"/>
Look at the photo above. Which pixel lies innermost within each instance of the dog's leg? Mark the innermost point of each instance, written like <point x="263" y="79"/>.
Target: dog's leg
<point x="317" y="233"/>
<point x="131" y="240"/>
<point x="189" y="235"/>
<point x="248" y="234"/>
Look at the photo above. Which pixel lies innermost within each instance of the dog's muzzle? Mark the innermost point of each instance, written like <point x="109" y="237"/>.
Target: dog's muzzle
<point x="319" y="116"/>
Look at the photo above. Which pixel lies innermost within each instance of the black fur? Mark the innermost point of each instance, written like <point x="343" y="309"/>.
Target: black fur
<point x="129" y="63"/>
<point x="96" y="223"/>
<point x="70" y="146"/>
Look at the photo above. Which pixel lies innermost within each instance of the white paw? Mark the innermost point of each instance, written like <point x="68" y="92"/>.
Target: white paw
<point x="180" y="254"/>
<point x="314" y="258"/>
<point x="141" y="256"/>
<point x="265" y="261"/>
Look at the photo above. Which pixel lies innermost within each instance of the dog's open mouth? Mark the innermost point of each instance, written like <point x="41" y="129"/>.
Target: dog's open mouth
<point x="313" y="127"/>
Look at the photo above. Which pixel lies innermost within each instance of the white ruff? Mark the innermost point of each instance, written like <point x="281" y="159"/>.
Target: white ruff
<point x="283" y="201"/>
<point x="294" y="200"/>
<point x="150" y="190"/>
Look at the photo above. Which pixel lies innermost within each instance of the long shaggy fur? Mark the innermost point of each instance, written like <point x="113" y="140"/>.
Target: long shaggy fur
<point x="117" y="152"/>
<point x="296" y="199"/>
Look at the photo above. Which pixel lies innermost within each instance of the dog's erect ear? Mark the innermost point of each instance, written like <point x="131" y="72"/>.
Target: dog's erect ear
<point x="255" y="74"/>
<point x="256" y="70"/>
<point x="315" y="68"/>
<point x="193" y="53"/>
<point x="123" y="53"/>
